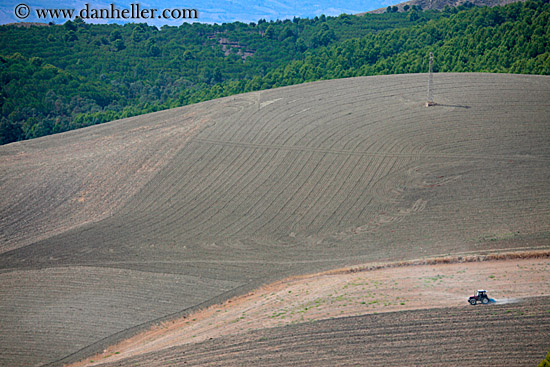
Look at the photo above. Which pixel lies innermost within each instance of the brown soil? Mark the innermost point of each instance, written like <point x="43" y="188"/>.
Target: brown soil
<point x="110" y="229"/>
<point x="511" y="335"/>
<point x="344" y="293"/>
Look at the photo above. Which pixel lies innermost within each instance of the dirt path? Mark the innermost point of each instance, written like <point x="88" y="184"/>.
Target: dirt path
<point x="345" y="293"/>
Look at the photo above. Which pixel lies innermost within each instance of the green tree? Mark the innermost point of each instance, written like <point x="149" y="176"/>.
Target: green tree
<point x="413" y="16"/>
<point x="270" y="32"/>
<point x="70" y="36"/>
<point x="70" y="26"/>
<point x="115" y="35"/>
<point x="9" y="131"/>
<point x="217" y="75"/>
<point x="154" y="50"/>
<point x="119" y="44"/>
<point x="286" y="33"/>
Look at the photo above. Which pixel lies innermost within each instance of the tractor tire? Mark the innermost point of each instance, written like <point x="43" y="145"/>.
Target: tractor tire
<point x="472" y="302"/>
<point x="485" y="301"/>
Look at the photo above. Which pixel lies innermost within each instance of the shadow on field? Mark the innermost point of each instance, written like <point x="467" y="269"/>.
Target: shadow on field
<point x="451" y="105"/>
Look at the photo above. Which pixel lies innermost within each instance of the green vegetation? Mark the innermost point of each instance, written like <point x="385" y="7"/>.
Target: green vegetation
<point x="545" y="362"/>
<point x="59" y="78"/>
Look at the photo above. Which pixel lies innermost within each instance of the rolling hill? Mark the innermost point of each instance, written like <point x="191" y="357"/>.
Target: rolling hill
<point x="109" y="229"/>
<point x="442" y="4"/>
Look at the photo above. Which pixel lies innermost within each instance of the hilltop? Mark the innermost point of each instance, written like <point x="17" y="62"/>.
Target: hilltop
<point x="442" y="4"/>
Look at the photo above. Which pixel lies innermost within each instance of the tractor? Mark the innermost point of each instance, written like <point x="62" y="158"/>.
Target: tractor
<point x="481" y="296"/>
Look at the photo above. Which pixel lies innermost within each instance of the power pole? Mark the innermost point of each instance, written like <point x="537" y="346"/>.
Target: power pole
<point x="430" y="101"/>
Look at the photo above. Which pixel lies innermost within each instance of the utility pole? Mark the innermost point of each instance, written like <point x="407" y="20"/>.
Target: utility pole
<point x="430" y="101"/>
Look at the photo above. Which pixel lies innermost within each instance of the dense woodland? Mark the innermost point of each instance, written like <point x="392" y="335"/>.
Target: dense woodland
<point x="61" y="77"/>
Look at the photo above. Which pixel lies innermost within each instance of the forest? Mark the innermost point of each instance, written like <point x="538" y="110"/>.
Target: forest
<point x="56" y="78"/>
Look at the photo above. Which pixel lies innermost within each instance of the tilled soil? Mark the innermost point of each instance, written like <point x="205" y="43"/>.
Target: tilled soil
<point x="348" y="292"/>
<point x="513" y="334"/>
<point x="220" y="197"/>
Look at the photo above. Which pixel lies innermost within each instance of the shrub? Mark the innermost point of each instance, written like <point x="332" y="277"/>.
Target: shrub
<point x="546" y="361"/>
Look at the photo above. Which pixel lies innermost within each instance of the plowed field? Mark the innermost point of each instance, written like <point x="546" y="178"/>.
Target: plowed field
<point x="108" y="229"/>
<point x="443" y="283"/>
<point x="514" y="335"/>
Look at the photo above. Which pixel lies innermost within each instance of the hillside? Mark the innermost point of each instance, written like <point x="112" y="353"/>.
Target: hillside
<point x="58" y="78"/>
<point x="287" y="320"/>
<point x="110" y="228"/>
<point x="442" y="4"/>
<point x="511" y="333"/>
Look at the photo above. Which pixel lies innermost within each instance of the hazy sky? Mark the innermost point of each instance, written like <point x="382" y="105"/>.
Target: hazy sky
<point x="209" y="11"/>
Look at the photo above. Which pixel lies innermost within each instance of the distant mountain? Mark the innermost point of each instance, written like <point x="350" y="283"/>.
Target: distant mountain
<point x="28" y="24"/>
<point x="441" y="4"/>
<point x="210" y="11"/>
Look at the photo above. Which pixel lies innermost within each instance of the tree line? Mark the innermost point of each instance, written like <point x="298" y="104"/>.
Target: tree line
<point x="63" y="77"/>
